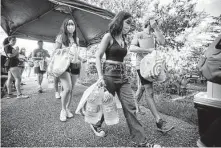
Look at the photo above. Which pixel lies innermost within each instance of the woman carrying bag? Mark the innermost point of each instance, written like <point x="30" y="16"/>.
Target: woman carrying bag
<point x="12" y="65"/>
<point x="67" y="38"/>
<point x="114" y="78"/>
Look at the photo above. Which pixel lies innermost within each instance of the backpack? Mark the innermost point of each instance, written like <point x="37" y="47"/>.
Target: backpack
<point x="210" y="63"/>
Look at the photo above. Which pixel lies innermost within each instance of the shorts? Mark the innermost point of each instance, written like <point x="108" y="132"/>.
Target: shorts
<point x="142" y="80"/>
<point x="74" y="71"/>
<point x="38" y="71"/>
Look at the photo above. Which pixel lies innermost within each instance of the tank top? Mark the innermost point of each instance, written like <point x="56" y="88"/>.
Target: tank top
<point x="115" y="52"/>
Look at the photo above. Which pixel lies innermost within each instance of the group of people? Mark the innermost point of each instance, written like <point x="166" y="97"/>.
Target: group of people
<point x="17" y="62"/>
<point x="111" y="75"/>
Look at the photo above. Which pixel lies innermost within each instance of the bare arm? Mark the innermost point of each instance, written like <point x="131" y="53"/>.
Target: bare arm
<point x="57" y="46"/>
<point x="159" y="36"/>
<point x="10" y="55"/>
<point x="13" y="53"/>
<point x="79" y="58"/>
<point x="134" y="47"/>
<point x="103" y="46"/>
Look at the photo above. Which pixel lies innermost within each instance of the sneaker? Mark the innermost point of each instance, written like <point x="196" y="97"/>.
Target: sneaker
<point x="69" y="114"/>
<point x="57" y="95"/>
<point x="9" y="96"/>
<point x="162" y="126"/>
<point x="98" y="131"/>
<point x="40" y="90"/>
<point x="21" y="96"/>
<point x="199" y="143"/>
<point x="63" y="115"/>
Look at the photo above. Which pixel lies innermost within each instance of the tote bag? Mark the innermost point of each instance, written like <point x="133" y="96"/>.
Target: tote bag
<point x="59" y="62"/>
<point x="152" y="67"/>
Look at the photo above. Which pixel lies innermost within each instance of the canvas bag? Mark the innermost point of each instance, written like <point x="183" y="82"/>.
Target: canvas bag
<point x="152" y="67"/>
<point x="59" y="62"/>
<point x="210" y="63"/>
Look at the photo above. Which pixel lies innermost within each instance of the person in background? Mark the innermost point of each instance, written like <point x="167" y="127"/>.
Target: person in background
<point x="29" y="65"/>
<point x="22" y="60"/>
<point x="67" y="37"/>
<point x="38" y="55"/>
<point x="149" y="36"/>
<point x="12" y="65"/>
<point x="114" y="78"/>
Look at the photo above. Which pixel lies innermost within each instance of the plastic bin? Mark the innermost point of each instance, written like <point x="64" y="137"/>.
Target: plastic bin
<point x="208" y="110"/>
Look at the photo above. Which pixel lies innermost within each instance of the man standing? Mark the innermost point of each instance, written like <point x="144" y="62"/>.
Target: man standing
<point x="38" y="55"/>
<point x="144" y="43"/>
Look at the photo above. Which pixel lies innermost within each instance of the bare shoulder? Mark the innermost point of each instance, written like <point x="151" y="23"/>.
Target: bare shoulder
<point x="107" y="36"/>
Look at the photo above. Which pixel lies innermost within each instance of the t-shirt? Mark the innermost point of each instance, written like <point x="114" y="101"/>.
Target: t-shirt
<point x="143" y="40"/>
<point x="39" y="53"/>
<point x="13" y="60"/>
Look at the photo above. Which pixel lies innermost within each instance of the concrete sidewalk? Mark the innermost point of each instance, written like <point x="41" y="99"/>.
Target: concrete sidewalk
<point x="34" y="122"/>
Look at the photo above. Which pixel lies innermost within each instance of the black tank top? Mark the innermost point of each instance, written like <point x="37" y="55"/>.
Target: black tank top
<point x="115" y="52"/>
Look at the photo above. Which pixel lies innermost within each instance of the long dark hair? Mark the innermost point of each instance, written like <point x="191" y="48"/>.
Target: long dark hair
<point x="64" y="33"/>
<point x="116" y="26"/>
<point x="7" y="40"/>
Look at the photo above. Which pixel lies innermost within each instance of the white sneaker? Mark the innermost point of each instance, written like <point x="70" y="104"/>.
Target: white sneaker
<point x="69" y="114"/>
<point x="98" y="131"/>
<point x="63" y="115"/>
<point x="21" y="96"/>
<point x="57" y="95"/>
<point x="61" y="93"/>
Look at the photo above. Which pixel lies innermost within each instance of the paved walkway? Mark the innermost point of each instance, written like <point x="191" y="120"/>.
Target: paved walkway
<point x="34" y="122"/>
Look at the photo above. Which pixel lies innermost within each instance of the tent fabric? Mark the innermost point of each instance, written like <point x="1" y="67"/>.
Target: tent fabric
<point x="42" y="19"/>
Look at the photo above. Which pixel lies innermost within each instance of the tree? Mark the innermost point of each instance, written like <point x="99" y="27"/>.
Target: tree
<point x="182" y="26"/>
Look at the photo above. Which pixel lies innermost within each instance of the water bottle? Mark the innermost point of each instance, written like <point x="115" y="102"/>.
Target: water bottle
<point x="50" y="82"/>
<point x="93" y="107"/>
<point x="110" y="109"/>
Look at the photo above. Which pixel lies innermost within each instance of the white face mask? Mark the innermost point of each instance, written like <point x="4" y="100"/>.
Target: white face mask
<point x="71" y="28"/>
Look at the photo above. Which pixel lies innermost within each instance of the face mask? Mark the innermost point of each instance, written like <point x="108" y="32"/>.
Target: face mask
<point x="71" y="29"/>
